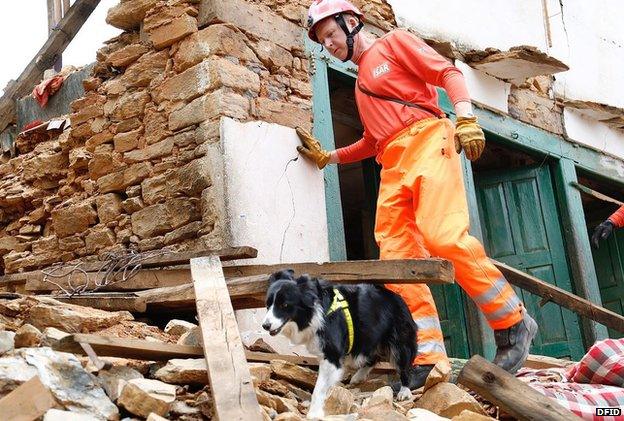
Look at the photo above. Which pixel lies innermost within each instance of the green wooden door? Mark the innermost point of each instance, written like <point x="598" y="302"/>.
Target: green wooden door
<point x="452" y="319"/>
<point x="521" y="228"/>
<point x="609" y="263"/>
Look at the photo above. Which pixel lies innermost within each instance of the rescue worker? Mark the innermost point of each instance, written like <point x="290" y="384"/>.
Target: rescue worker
<point x="604" y="230"/>
<point x="421" y="208"/>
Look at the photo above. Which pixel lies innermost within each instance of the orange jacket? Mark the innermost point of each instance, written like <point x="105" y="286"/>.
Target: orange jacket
<point x="618" y="217"/>
<point x="399" y="65"/>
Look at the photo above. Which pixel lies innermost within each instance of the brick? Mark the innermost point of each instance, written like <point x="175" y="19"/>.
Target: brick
<point x="108" y="207"/>
<point x="217" y="103"/>
<point x="100" y="164"/>
<point x="99" y="238"/>
<point x="127" y="55"/>
<point x="164" y="217"/>
<point x="73" y="219"/>
<point x="156" y="150"/>
<point x="218" y="39"/>
<point x="170" y="33"/>
<point x="131" y="105"/>
<point x="129" y="14"/>
<point x="155" y="125"/>
<point x="272" y="55"/>
<point x="147" y="68"/>
<point x="119" y="181"/>
<point x="206" y="76"/>
<point x="98" y="139"/>
<point x="127" y="141"/>
<point x="257" y="19"/>
<point x="87" y="113"/>
<point x="283" y="113"/>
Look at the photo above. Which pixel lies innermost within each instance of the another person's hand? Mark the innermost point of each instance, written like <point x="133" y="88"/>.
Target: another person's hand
<point x="312" y="149"/>
<point x="469" y="137"/>
<point x="602" y="232"/>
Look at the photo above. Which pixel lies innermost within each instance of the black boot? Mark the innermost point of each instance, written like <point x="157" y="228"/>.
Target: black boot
<point x="417" y="376"/>
<point x="513" y="343"/>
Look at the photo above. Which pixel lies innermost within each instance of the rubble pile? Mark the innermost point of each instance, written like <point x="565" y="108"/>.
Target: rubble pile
<point x="178" y="389"/>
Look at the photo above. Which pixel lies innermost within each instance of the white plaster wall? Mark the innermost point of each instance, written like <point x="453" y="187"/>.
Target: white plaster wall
<point x="586" y="35"/>
<point x="273" y="204"/>
<point x="593" y="133"/>
<point x="477" y="23"/>
<point x="486" y="89"/>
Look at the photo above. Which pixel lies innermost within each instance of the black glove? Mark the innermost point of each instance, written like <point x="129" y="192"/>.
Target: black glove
<point x="602" y="232"/>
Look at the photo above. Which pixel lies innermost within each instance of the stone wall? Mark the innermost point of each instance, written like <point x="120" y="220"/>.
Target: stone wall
<point x="134" y="170"/>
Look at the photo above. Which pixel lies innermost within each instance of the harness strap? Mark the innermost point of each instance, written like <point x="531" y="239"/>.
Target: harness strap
<point x="340" y="303"/>
<point x="399" y="101"/>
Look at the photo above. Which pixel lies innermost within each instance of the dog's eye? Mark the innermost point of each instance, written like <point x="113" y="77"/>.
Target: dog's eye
<point x="285" y="306"/>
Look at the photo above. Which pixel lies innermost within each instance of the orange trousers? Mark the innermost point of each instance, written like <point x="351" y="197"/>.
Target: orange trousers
<point x="422" y="212"/>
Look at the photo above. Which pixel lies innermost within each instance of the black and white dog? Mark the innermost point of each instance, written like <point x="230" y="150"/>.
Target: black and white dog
<point x="352" y="325"/>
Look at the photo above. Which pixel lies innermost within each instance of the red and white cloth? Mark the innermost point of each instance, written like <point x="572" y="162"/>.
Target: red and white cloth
<point x="603" y="364"/>
<point x="597" y="381"/>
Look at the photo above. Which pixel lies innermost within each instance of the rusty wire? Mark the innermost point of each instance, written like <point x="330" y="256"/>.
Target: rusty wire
<point x="117" y="267"/>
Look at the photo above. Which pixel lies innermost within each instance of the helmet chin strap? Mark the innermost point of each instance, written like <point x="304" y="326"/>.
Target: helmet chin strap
<point x="350" y="34"/>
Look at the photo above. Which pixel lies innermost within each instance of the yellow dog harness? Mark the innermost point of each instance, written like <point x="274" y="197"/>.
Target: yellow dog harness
<point x="340" y="303"/>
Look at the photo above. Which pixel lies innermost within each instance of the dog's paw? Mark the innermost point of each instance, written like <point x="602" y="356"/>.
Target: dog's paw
<point x="357" y="378"/>
<point x="404" y="394"/>
<point x="315" y="414"/>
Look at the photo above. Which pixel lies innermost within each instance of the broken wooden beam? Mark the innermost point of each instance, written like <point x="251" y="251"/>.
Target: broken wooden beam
<point x="106" y="301"/>
<point x="54" y="46"/>
<point x="230" y="381"/>
<point x="431" y="271"/>
<point x="510" y="394"/>
<point x="562" y="297"/>
<point x="140" y="349"/>
<point x="34" y="279"/>
<point x="539" y="362"/>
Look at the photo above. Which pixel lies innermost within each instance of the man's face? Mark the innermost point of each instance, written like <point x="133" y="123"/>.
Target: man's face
<point x="332" y="37"/>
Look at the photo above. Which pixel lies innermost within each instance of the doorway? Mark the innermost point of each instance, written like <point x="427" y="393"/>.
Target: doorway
<point x="521" y="227"/>
<point x="609" y="256"/>
<point x="359" y="185"/>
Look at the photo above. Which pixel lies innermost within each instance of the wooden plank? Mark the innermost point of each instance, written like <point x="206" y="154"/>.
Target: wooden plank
<point x="504" y="390"/>
<point x="106" y="301"/>
<point x="170" y="259"/>
<point x="143" y="279"/>
<point x="431" y="271"/>
<point x="27" y="402"/>
<point x="45" y="57"/>
<point x="583" y="271"/>
<point x="139" y="349"/>
<point x="561" y="297"/>
<point x="230" y="381"/>
<point x="542" y="361"/>
<point x="596" y="194"/>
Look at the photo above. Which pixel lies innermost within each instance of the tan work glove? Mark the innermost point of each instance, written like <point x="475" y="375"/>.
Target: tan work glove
<point x="312" y="149"/>
<point x="469" y="137"/>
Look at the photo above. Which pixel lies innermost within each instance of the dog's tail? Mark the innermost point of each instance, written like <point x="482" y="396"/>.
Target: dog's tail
<point x="403" y="350"/>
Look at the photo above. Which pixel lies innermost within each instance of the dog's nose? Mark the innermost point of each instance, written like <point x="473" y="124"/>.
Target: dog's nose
<point x="266" y="326"/>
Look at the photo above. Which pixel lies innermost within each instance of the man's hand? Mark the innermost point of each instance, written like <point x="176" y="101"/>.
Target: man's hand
<point x="469" y="137"/>
<point x="602" y="232"/>
<point x="312" y="149"/>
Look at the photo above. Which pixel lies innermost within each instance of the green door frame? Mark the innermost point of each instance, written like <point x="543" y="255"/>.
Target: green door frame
<point x="566" y="158"/>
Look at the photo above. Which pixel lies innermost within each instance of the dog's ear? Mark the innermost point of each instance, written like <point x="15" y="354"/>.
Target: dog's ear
<point x="282" y="274"/>
<point x="310" y="289"/>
